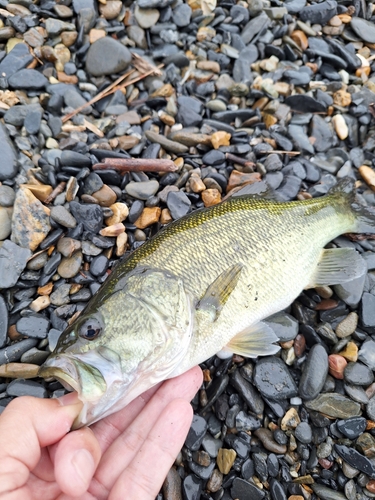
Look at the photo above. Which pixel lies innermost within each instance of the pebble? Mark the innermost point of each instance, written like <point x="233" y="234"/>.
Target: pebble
<point x="196" y="433"/>
<point x="22" y="387"/>
<point x="13" y="260"/>
<point x="107" y="56"/>
<point x="243" y="490"/>
<point x="178" y="204"/>
<point x="314" y="374"/>
<point x="273" y="380"/>
<point x="335" y="405"/>
<point x="142" y="190"/>
<point x="91" y="216"/>
<point x="358" y="374"/>
<point x="63" y="216"/>
<point x="225" y="459"/>
<point x="33" y="326"/>
<point x="70" y="266"/>
<point x="352" y="427"/>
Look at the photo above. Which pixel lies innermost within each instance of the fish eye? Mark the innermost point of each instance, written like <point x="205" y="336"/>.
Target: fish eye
<point x="90" y="329"/>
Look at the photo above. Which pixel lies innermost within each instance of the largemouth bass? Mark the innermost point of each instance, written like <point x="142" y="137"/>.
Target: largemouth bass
<point x="201" y="286"/>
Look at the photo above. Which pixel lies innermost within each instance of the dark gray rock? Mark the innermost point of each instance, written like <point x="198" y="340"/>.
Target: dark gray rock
<point x="8" y="155"/>
<point x="3" y="322"/>
<point x="358" y="374"/>
<point x="33" y="326"/>
<point x="243" y="490"/>
<point x="18" y="58"/>
<point x="178" y="204"/>
<point x="28" y="79"/>
<point x="273" y="380"/>
<point x="107" y="56"/>
<point x="14" y="352"/>
<point x="196" y="433"/>
<point x="74" y="159"/>
<point x="284" y="326"/>
<point x="367" y="312"/>
<point x="352" y="427"/>
<point x="248" y="392"/>
<point x="90" y="215"/>
<point x="13" y="260"/>
<point x="364" y="29"/>
<point x="366" y="354"/>
<point x="315" y="373"/>
<point x="303" y="433"/>
<point x="319" y="13"/>
<point x="21" y="387"/>
<point x="356" y="459"/>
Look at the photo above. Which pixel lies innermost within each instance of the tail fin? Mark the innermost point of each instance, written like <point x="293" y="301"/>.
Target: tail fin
<point x="365" y="216"/>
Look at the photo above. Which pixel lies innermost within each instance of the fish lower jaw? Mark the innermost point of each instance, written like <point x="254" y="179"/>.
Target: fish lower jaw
<point x="68" y="382"/>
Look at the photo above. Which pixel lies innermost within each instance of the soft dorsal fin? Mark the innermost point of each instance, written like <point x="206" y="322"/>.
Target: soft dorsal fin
<point x="257" y="340"/>
<point x="219" y="291"/>
<point x="337" y="266"/>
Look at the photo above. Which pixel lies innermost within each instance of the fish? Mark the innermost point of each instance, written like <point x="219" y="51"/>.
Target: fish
<point x="202" y="286"/>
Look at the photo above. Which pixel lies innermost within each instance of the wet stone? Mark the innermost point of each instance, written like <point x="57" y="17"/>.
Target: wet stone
<point x="13" y="260"/>
<point x="315" y="373"/>
<point x="248" y="392"/>
<point x="23" y="387"/>
<point x="33" y="326"/>
<point x="90" y="215"/>
<point x="18" y="58"/>
<point x="335" y="405"/>
<point x="273" y="380"/>
<point x="303" y="433"/>
<point x="142" y="190"/>
<point x="70" y="266"/>
<point x="62" y="216"/>
<point x="191" y="487"/>
<point x="178" y="204"/>
<point x="266" y="438"/>
<point x="363" y="28"/>
<point x="352" y="427"/>
<point x="358" y="374"/>
<point x="202" y="471"/>
<point x="355" y="459"/>
<point x="367" y="312"/>
<point x="99" y="265"/>
<point x="8" y="166"/>
<point x="243" y="490"/>
<point x="284" y="326"/>
<point x="211" y="445"/>
<point x="28" y="79"/>
<point x="326" y="493"/>
<point x="14" y="352"/>
<point x="196" y="433"/>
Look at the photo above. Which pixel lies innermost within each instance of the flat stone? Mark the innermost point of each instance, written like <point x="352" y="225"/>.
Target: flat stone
<point x="273" y="380"/>
<point x="315" y="373"/>
<point x="196" y="433"/>
<point x="367" y="354"/>
<point x="146" y="18"/>
<point x="248" y="392"/>
<point x="28" y="79"/>
<point x="8" y="166"/>
<point x="243" y="490"/>
<point x="70" y="266"/>
<point x="30" y="221"/>
<point x="4" y="316"/>
<point x="352" y="427"/>
<point x="5" y="223"/>
<point x="356" y="459"/>
<point x="326" y="493"/>
<point x="178" y="204"/>
<point x="33" y="326"/>
<point x="142" y="190"/>
<point x="18" y="58"/>
<point x="266" y="438"/>
<point x="90" y="215"/>
<point x="225" y="459"/>
<point x="364" y="29"/>
<point x="107" y="56"/>
<point x="284" y="326"/>
<point x="358" y="374"/>
<point x="23" y="387"/>
<point x="61" y="215"/>
<point x="192" y="487"/>
<point x="367" y="312"/>
<point x="335" y="405"/>
<point x="172" y="146"/>
<point x="319" y="13"/>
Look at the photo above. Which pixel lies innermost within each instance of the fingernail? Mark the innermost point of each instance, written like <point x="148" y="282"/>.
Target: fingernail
<point x="84" y="466"/>
<point x="69" y="399"/>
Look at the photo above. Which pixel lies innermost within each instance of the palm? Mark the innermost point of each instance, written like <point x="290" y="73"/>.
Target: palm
<point x="126" y="444"/>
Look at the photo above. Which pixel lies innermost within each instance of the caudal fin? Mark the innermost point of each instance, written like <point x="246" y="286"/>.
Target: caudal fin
<point x="365" y="216"/>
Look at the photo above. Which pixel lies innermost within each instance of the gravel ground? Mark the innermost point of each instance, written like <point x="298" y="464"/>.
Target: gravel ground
<point x="278" y="94"/>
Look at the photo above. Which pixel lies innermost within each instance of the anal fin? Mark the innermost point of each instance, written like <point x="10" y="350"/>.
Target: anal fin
<point x="219" y="291"/>
<point x="257" y="340"/>
<point x="337" y="266"/>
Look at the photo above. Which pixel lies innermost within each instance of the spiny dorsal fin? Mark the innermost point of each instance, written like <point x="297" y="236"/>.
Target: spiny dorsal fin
<point x="337" y="266"/>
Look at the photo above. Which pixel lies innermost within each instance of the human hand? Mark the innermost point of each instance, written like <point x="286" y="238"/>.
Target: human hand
<point x="125" y="455"/>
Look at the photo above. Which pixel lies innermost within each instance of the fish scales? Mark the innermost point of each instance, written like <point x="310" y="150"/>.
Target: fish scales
<point x="203" y="285"/>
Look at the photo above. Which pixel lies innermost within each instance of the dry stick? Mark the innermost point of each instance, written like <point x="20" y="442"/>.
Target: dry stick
<point x="136" y="164"/>
<point x="111" y="89"/>
<point x="241" y="161"/>
<point x="58" y="189"/>
<point x="99" y="96"/>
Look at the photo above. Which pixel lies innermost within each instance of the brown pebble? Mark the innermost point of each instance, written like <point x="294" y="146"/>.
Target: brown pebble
<point x="368" y="175"/>
<point x="215" y="481"/>
<point x="370" y="486"/>
<point x="209" y="66"/>
<point x="165" y="217"/>
<point x="350" y="352"/>
<point x="345" y="18"/>
<point x="202" y="458"/>
<point x="300" y="38"/>
<point x="40" y="191"/>
<point x="324" y="291"/>
<point x="111" y="9"/>
<point x="220" y="138"/>
<point x="70" y="266"/>
<point x="68" y="38"/>
<point x="347" y="326"/>
<point x="196" y="184"/>
<point x="296" y="497"/>
<point x="326" y="305"/>
<point x="206" y="375"/>
<point x="266" y="438"/>
<point x="105" y="196"/>
<point x="120" y="212"/>
<point x="64" y="78"/>
<point x="225" y="459"/>
<point x="335" y="21"/>
<point x="337" y="366"/>
<point x="46" y="289"/>
<point x="95" y="34"/>
<point x="172" y="485"/>
<point x="290" y="420"/>
<point x="113" y="230"/>
<point x="72" y="187"/>
<point x="13" y="333"/>
<point x="67" y="246"/>
<point x="211" y="197"/>
<point x="121" y="244"/>
<point x="342" y="98"/>
<point x="127" y="141"/>
<point x="237" y="178"/>
<point x="299" y="345"/>
<point x="149" y="216"/>
<point x="40" y="303"/>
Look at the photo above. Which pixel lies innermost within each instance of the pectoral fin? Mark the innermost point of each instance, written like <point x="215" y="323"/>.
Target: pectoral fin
<point x="337" y="266"/>
<point x="219" y="291"/>
<point x="254" y="341"/>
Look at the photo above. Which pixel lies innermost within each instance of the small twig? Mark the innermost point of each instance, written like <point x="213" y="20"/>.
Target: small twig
<point x="123" y="165"/>
<point x="239" y="160"/>
<point x="99" y="96"/>
<point x="93" y="128"/>
<point x="58" y="189"/>
<point x="280" y="152"/>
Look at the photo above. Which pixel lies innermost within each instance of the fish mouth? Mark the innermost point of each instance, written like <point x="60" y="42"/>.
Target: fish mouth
<point x="95" y="375"/>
